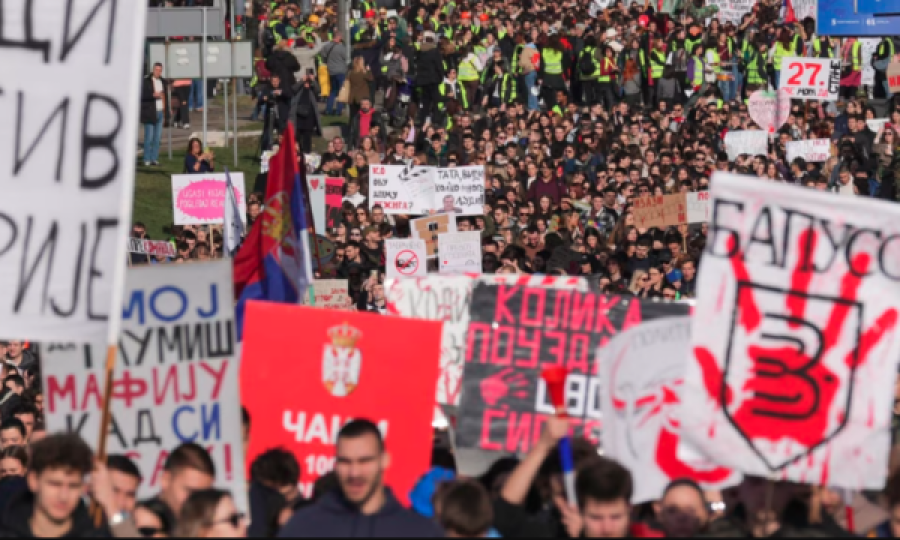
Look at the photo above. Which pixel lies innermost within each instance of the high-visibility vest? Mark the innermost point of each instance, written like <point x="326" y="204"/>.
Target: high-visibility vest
<point x="589" y="51"/>
<point x="463" y="99"/>
<point x="557" y="110"/>
<point x="515" y="59"/>
<point x="467" y="71"/>
<point x="552" y="61"/>
<point x="689" y="44"/>
<point x="890" y="48"/>
<point x="272" y="25"/>
<point x="714" y="53"/>
<point x="657" y="63"/>
<point x="753" y="75"/>
<point x="796" y="43"/>
<point x="607" y="63"/>
<point x="780" y="52"/>
<point x="817" y="49"/>
<point x="857" y="57"/>
<point x="698" y="72"/>
<point x="510" y="85"/>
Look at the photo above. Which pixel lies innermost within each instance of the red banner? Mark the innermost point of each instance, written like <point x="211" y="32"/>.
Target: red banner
<point x="305" y="372"/>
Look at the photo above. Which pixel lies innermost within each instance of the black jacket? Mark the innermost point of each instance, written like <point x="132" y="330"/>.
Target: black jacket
<point x="285" y="65"/>
<point x="148" y="102"/>
<point x="429" y="65"/>
<point x="334" y="517"/>
<point x="17" y="515"/>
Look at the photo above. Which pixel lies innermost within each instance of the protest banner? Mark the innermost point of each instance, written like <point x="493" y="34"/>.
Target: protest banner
<point x="810" y="78"/>
<point x="752" y="143"/>
<point x="68" y="154"/>
<point x="811" y="150"/>
<point x="428" y="229"/>
<point x="329" y="294"/>
<point x="405" y="258"/>
<point x="877" y="124"/>
<point x="516" y="331"/>
<point x="641" y="372"/>
<point x="315" y="186"/>
<point x="697" y="206"/>
<point x="199" y="199"/>
<point x="334" y="188"/>
<point x="768" y="109"/>
<point x="301" y="392"/>
<point x="867" y="50"/>
<point x="176" y="379"/>
<point x="732" y="10"/>
<point x="460" y="190"/>
<point x="151" y="247"/>
<point x="660" y="211"/>
<point x="401" y="189"/>
<point x="791" y="377"/>
<point x="893" y="76"/>
<point x="446" y="298"/>
<point x="459" y="252"/>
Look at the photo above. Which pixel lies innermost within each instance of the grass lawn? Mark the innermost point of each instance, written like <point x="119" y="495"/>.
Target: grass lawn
<point x="153" y="186"/>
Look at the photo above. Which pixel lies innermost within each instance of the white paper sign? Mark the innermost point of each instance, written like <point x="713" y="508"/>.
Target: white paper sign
<point x="732" y="10"/>
<point x="810" y="78"/>
<point x="868" y="46"/>
<point x="805" y="8"/>
<point x="642" y="370"/>
<point x="199" y="199"/>
<point x="746" y="142"/>
<point x="405" y="258"/>
<point x="877" y="124"/>
<point x="812" y="150"/>
<point x="401" y="189"/>
<point x="67" y="155"/>
<point x="315" y="185"/>
<point x="460" y="190"/>
<point x="446" y="298"/>
<point x="176" y="379"/>
<point x="796" y="343"/>
<point x="697" y="206"/>
<point x="459" y="252"/>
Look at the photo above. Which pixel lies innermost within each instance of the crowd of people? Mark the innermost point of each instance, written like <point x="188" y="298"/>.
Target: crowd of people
<point x="575" y="110"/>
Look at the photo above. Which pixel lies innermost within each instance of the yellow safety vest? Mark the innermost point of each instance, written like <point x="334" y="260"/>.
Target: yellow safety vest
<point x="467" y="71"/>
<point x="780" y="52"/>
<point x="552" y="62"/>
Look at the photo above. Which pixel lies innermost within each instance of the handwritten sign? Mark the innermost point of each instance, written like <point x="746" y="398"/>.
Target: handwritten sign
<point x="746" y="142"/>
<point x="732" y="10"/>
<point x="405" y="257"/>
<point x="893" y="76"/>
<point x="176" y="378"/>
<point x="460" y="190"/>
<point x="151" y="247"/>
<point x="428" y="229"/>
<point x="812" y="150"/>
<point x="316" y="188"/>
<point x="67" y="154"/>
<point x="670" y="210"/>
<point x="459" y="252"/>
<point x="697" y="207"/>
<point x="810" y="78"/>
<point x="769" y="110"/>
<point x="199" y="199"/>
<point x="330" y="294"/>
<point x="795" y="349"/>
<point x="333" y="198"/>
<point x="401" y="189"/>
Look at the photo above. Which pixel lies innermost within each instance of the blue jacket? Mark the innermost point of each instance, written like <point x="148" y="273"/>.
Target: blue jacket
<point x="334" y="517"/>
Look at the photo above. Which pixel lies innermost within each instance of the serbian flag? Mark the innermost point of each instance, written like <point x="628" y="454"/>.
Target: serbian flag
<point x="787" y="14"/>
<point x="274" y="263"/>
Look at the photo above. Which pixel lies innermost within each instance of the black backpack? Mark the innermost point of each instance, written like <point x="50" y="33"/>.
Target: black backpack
<point x="268" y="40"/>
<point x="586" y="62"/>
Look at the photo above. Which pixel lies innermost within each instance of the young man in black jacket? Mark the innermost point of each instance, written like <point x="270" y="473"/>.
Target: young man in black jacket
<point x="429" y="74"/>
<point x="362" y="506"/>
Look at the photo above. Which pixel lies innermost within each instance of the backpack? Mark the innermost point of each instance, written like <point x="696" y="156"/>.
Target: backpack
<point x="269" y="40"/>
<point x="586" y="62"/>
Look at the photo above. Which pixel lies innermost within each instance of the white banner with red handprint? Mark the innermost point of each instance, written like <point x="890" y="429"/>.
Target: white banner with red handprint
<point x="795" y="335"/>
<point x="641" y="372"/>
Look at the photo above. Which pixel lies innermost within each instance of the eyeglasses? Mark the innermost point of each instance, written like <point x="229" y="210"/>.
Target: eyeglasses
<point x="234" y="520"/>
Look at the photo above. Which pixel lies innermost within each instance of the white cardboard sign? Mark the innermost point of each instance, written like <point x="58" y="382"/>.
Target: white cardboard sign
<point x="459" y="252"/>
<point x="67" y="155"/>
<point x="811" y="150"/>
<point x="176" y="378"/>
<point x="752" y="142"/>
<point x="810" y="78"/>
<point x="405" y="258"/>
<point x="796" y="344"/>
<point x="199" y="199"/>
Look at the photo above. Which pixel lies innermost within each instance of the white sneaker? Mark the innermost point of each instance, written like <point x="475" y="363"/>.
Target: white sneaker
<point x="175" y="125"/>
<point x="185" y="126"/>
<point x="147" y="164"/>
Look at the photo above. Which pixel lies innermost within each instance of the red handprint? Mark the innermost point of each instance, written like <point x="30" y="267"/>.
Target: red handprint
<point x="504" y="383"/>
<point x="790" y="388"/>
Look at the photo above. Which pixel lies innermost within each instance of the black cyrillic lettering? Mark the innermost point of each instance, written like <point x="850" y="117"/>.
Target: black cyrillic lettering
<point x="763" y="224"/>
<point x="48" y="250"/>
<point x="152" y="437"/>
<point x="715" y="226"/>
<point x="882" y="261"/>
<point x="221" y="349"/>
<point x="69" y="42"/>
<point x="848" y="252"/>
<point x="90" y="142"/>
<point x="61" y="110"/>
<point x="28" y="42"/>
<point x="95" y="272"/>
<point x="76" y="286"/>
<point x="166" y="344"/>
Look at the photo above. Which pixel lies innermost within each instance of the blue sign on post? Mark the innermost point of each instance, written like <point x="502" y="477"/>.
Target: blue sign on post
<point x="838" y="18"/>
<point x="878" y="7"/>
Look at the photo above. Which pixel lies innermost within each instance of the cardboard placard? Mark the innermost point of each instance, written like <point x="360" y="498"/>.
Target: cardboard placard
<point x="428" y="229"/>
<point x="199" y="199"/>
<point x="330" y="294"/>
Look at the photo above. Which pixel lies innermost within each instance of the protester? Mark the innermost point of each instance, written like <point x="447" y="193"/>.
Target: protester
<point x="210" y="513"/>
